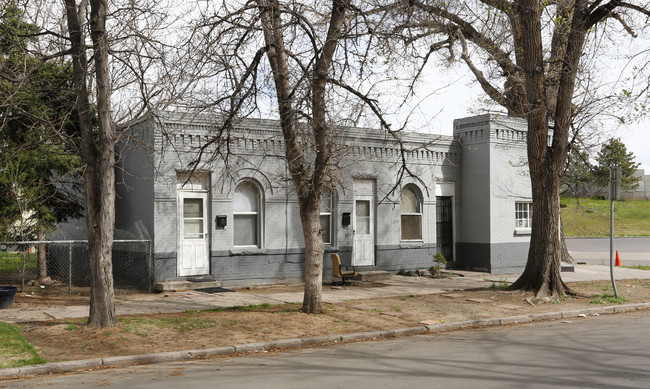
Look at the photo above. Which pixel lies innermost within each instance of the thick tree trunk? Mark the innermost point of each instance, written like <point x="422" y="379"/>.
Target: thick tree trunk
<point x="314" y="249"/>
<point x="99" y="174"/>
<point x="547" y="162"/>
<point x="307" y="179"/>
<point x="102" y="295"/>
<point x="42" y="259"/>
<point x="542" y="272"/>
<point x="310" y="213"/>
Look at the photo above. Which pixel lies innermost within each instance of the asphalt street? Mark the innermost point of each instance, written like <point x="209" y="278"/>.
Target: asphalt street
<point x="595" y="251"/>
<point x="610" y="351"/>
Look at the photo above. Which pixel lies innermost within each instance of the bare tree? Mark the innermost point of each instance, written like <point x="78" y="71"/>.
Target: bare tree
<point x="534" y="49"/>
<point x="310" y="61"/>
<point x="121" y="66"/>
<point x="78" y="29"/>
<point x="134" y="82"/>
<point x="98" y="158"/>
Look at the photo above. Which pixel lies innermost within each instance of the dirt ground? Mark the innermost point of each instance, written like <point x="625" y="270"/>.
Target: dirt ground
<point x="62" y="340"/>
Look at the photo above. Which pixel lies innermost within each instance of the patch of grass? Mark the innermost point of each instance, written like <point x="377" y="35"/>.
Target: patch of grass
<point x="15" y="351"/>
<point x="140" y="326"/>
<point x="500" y="285"/>
<point x="293" y="307"/>
<point x="251" y="307"/>
<point x="405" y="297"/>
<point x="192" y="320"/>
<point x="638" y="267"/>
<point x="135" y="325"/>
<point x="557" y="300"/>
<point x="238" y="308"/>
<point x="10" y="262"/>
<point x="607" y="298"/>
<point x="590" y="217"/>
<point x="397" y="309"/>
<point x="71" y="327"/>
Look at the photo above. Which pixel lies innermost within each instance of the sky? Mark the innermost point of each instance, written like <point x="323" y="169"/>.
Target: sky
<point x="461" y="99"/>
<point x="449" y="93"/>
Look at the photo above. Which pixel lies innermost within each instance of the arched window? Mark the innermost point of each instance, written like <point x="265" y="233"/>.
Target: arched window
<point x="247" y="215"/>
<point x="411" y="213"/>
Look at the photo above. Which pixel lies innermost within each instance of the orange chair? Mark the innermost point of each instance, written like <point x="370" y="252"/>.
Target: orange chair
<point x="338" y="272"/>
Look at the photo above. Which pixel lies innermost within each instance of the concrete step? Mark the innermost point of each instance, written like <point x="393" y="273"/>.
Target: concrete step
<point x="567" y="267"/>
<point x="185" y="285"/>
<point x="372" y="275"/>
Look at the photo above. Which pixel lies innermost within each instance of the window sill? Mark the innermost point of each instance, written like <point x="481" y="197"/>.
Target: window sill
<point x="411" y="244"/>
<point x="242" y="251"/>
<point x="522" y="231"/>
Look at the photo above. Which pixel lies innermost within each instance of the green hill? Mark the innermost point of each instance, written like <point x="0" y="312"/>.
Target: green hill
<point x="590" y="217"/>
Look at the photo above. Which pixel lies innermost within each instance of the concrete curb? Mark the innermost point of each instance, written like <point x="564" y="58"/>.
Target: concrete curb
<point x="173" y="356"/>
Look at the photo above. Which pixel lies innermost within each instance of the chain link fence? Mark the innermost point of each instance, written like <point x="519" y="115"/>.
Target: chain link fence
<point x="67" y="262"/>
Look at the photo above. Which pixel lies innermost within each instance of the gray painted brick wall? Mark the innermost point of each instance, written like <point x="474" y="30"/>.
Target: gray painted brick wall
<point x="483" y="166"/>
<point x="494" y="176"/>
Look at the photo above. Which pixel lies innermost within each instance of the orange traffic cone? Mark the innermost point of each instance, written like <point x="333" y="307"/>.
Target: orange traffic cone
<point x="618" y="259"/>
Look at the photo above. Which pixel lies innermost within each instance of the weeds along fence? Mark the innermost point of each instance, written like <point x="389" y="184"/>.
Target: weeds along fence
<point x="67" y="262"/>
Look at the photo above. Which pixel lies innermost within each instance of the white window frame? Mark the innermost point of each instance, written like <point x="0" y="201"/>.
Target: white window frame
<point x="329" y="211"/>
<point x="523" y="217"/>
<point x="259" y="215"/>
<point x="420" y="205"/>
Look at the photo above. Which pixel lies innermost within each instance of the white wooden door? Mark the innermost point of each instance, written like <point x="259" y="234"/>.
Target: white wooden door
<point x="363" y="249"/>
<point x="193" y="253"/>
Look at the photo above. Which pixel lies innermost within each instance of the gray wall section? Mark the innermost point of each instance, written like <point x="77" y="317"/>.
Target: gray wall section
<point x="497" y="258"/>
<point x="508" y="258"/>
<point x="405" y="257"/>
<point x="473" y="256"/>
<point x="280" y="266"/>
<point x="165" y="265"/>
<point x="494" y="176"/>
<point x="134" y="181"/>
<point x="133" y="189"/>
<point x="474" y="211"/>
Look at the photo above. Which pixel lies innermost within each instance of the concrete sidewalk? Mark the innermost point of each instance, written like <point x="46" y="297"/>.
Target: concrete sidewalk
<point x="395" y="286"/>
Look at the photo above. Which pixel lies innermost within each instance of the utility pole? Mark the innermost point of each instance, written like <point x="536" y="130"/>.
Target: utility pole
<point x="614" y="194"/>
